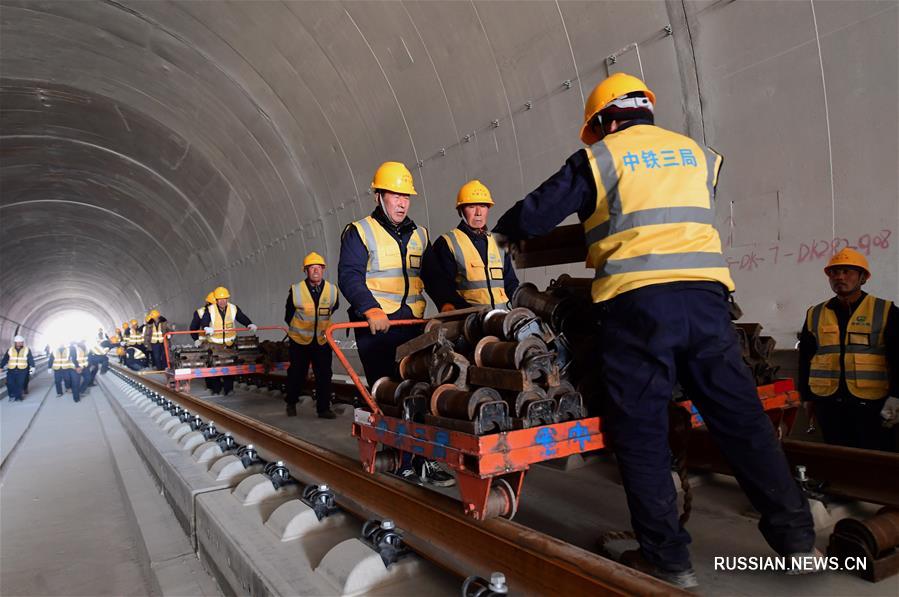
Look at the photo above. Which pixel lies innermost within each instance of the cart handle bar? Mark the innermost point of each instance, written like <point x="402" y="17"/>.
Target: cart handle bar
<point x="165" y="338"/>
<point x="329" y="334"/>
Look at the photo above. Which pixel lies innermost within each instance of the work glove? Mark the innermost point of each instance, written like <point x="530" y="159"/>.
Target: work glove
<point x="253" y="327"/>
<point x="49" y="371"/>
<point x="377" y="320"/>
<point x="447" y="307"/>
<point x="78" y="370"/>
<point x="198" y="343"/>
<point x="209" y="331"/>
<point x="890" y="411"/>
<point x="31" y="371"/>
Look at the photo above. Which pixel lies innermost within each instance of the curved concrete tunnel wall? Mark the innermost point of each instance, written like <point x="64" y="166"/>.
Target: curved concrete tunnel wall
<point x="154" y="150"/>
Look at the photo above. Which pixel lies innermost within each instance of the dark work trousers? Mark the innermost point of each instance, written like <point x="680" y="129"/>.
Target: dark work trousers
<point x="300" y="357"/>
<point x="651" y="338"/>
<point x="218" y="385"/>
<point x="85" y="378"/>
<point x="378" y="352"/>
<point x="70" y="379"/>
<point x="15" y="383"/>
<point x="136" y="364"/>
<point x="158" y="354"/>
<point x="97" y="363"/>
<point x="849" y="421"/>
<point x="27" y="379"/>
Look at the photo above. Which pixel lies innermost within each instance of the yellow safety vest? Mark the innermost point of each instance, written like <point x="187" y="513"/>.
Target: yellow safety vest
<point x="862" y="348"/>
<point x="18" y="359"/>
<point x="134" y="337"/>
<point x="81" y="357"/>
<point x="654" y="218"/>
<point x="478" y="284"/>
<point x="156" y="333"/>
<point x="223" y="333"/>
<point x="308" y="321"/>
<point x="61" y="359"/>
<point x="138" y="354"/>
<point x="98" y="350"/>
<point x="386" y="273"/>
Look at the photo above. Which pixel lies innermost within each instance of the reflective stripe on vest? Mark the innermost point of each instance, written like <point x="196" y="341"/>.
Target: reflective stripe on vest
<point x="134" y="337"/>
<point x="98" y="350"/>
<point x="81" y="357"/>
<point x="156" y="333"/>
<point x="478" y="284"/>
<point x="653" y="221"/>
<point x="386" y="274"/>
<point x="137" y="354"/>
<point x="862" y="348"/>
<point x="309" y="321"/>
<point x="222" y="334"/>
<point x="61" y="359"/>
<point x="18" y="359"/>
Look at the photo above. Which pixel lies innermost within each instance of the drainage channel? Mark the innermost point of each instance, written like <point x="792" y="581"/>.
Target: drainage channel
<point x="230" y="478"/>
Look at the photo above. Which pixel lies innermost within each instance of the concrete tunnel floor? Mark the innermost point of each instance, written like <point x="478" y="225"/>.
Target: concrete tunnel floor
<point x="577" y="505"/>
<point x="66" y="517"/>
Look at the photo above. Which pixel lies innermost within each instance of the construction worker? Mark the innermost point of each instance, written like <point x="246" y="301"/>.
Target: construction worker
<point x="18" y="361"/>
<point x="645" y="196"/>
<point x="135" y="336"/>
<point x="84" y="372"/>
<point x="200" y="337"/>
<point x="218" y="324"/>
<point x="154" y="333"/>
<point x="115" y="344"/>
<point x="97" y="360"/>
<point x="465" y="267"/>
<point x="310" y="304"/>
<point x="379" y="273"/>
<point x="135" y="357"/>
<point x="849" y="359"/>
<point x="63" y="366"/>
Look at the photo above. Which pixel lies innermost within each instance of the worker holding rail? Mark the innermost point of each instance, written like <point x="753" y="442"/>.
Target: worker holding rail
<point x="465" y="267"/>
<point x="154" y="334"/>
<point x="308" y="310"/>
<point x="849" y="359"/>
<point x="379" y="273"/>
<point x="218" y="324"/>
<point x="63" y="366"/>
<point x="646" y="199"/>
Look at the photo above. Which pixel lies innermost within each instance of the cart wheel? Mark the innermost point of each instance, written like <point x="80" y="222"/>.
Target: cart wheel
<point x="502" y="501"/>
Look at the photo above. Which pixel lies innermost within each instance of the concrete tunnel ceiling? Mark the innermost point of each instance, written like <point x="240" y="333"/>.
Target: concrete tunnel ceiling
<point x="154" y="150"/>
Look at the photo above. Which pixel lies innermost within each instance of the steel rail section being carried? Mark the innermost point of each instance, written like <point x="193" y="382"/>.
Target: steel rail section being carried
<point x="433" y="523"/>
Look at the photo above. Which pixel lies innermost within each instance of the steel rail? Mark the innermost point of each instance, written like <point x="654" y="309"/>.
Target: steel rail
<point x="866" y="475"/>
<point x="434" y="524"/>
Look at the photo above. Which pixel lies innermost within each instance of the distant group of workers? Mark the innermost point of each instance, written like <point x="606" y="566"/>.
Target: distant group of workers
<point x="646" y="199"/>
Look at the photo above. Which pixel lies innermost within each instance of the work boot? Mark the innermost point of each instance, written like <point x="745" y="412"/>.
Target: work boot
<point x="683" y="579"/>
<point x="432" y="473"/>
<point x="327" y="414"/>
<point x="291" y="410"/>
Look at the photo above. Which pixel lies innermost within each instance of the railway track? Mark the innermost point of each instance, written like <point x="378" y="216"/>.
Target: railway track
<point x="434" y="524"/>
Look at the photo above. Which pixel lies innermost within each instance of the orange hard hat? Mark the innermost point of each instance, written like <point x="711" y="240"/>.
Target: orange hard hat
<point x="849" y="258"/>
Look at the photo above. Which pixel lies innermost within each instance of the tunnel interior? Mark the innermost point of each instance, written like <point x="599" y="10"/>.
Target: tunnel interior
<point x="150" y="151"/>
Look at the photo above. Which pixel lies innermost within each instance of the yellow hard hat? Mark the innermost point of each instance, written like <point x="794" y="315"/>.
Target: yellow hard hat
<point x="613" y="87"/>
<point x="133" y="322"/>
<point x="125" y="325"/>
<point x="221" y="293"/>
<point x="118" y="331"/>
<point x="154" y="314"/>
<point x="210" y="298"/>
<point x="849" y="258"/>
<point x="473" y="191"/>
<point x="147" y="318"/>
<point x="394" y="177"/>
<point x="313" y="258"/>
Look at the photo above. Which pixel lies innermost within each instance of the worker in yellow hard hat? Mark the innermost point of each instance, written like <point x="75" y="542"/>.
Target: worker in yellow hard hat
<point x="308" y="310"/>
<point x="379" y="273"/>
<point x="154" y="338"/>
<point x="135" y="336"/>
<point x="849" y="359"/>
<point x="466" y="267"/>
<point x="218" y="322"/>
<point x="646" y="199"/>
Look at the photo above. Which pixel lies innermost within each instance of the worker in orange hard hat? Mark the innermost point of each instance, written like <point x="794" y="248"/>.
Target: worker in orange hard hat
<point x="219" y="324"/>
<point x="466" y="267"/>
<point x="380" y="275"/>
<point x="849" y="359"/>
<point x="308" y="310"/>
<point x="154" y="338"/>
<point x="200" y="337"/>
<point x="645" y="197"/>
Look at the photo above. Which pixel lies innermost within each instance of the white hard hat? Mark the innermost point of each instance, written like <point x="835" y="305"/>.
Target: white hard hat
<point x="18" y="339"/>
